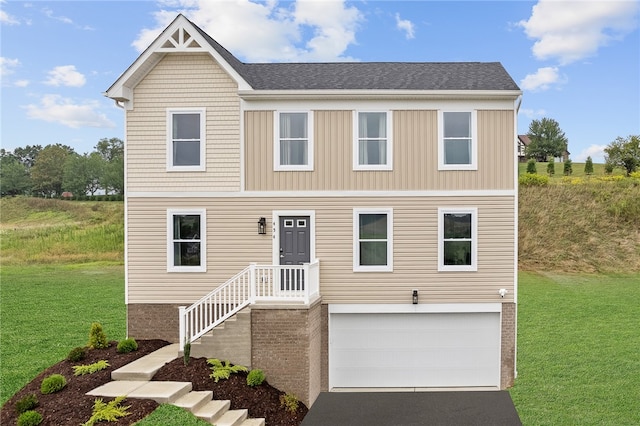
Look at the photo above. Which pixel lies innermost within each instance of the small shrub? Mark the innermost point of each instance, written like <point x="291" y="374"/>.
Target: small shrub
<point x="588" y="166"/>
<point x="551" y="168"/>
<point x="186" y="355"/>
<point x="97" y="338"/>
<point x="290" y="402"/>
<point x="531" y="166"/>
<point x="77" y="354"/>
<point x="255" y="377"/>
<point x="27" y="403"/>
<point x="608" y="168"/>
<point x="223" y="369"/>
<point x="109" y="412"/>
<point x="533" y="180"/>
<point x="127" y="345"/>
<point x="635" y="175"/>
<point x="568" y="168"/>
<point x="81" y="370"/>
<point x="53" y="383"/>
<point x="30" y="418"/>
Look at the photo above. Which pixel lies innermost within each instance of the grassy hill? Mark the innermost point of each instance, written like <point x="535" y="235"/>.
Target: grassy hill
<point x="584" y="226"/>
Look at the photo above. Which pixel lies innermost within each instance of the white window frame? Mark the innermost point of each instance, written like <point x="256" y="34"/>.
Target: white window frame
<point x="356" y="240"/>
<point x="276" y="143"/>
<point x="473" y="211"/>
<point x="203" y="142"/>
<point x="203" y="240"/>
<point x="474" y="142"/>
<point x="356" y="142"/>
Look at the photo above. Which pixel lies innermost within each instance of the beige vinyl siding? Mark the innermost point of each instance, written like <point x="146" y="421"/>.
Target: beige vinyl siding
<point x="415" y="155"/>
<point x="233" y="242"/>
<point x="196" y="81"/>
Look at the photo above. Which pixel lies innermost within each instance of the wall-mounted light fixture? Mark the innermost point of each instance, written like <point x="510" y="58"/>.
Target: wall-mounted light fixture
<point x="262" y="226"/>
<point x="415" y="297"/>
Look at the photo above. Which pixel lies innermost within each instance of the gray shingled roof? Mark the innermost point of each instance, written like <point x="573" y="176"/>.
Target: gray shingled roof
<point x="370" y="75"/>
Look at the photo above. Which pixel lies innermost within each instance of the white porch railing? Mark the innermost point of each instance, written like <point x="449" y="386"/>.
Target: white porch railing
<point x="256" y="283"/>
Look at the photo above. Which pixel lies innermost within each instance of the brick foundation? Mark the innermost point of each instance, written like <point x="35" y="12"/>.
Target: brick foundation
<point x="508" y="342"/>
<point x="286" y="345"/>
<point x="153" y="321"/>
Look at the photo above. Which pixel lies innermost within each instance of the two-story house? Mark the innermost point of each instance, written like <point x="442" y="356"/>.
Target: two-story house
<point x="365" y="214"/>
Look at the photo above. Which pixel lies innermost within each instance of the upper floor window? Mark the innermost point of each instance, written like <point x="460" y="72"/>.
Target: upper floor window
<point x="458" y="239"/>
<point x="294" y="145"/>
<point x="372" y="146"/>
<point x="457" y="140"/>
<point x="186" y="231"/>
<point x="186" y="139"/>
<point x="373" y="240"/>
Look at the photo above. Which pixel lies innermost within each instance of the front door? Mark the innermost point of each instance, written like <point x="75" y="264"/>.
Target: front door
<point x="295" y="249"/>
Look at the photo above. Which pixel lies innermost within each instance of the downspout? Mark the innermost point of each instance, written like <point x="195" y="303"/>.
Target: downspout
<point x="518" y="103"/>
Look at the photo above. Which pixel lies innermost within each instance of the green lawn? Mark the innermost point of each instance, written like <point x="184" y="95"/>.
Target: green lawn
<point x="578" y="350"/>
<point x="45" y="311"/>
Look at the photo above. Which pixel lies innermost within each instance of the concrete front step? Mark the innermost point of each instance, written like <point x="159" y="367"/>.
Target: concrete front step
<point x="144" y="368"/>
<point x="253" y="422"/>
<point x="194" y="400"/>
<point x="231" y="418"/>
<point x="212" y="410"/>
<point x="161" y="392"/>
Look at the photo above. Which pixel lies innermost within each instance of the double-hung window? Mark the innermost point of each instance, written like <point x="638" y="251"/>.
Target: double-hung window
<point x="457" y="140"/>
<point x="293" y="142"/>
<point x="458" y="239"/>
<point x="186" y="139"/>
<point x="186" y="242"/>
<point x="372" y="141"/>
<point x="373" y="239"/>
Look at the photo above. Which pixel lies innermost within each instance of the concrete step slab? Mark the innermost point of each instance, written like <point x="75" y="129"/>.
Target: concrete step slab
<point x="193" y="400"/>
<point x="119" y="388"/>
<point x="253" y="422"/>
<point x="144" y="368"/>
<point x="232" y="418"/>
<point x="161" y="392"/>
<point x="212" y="410"/>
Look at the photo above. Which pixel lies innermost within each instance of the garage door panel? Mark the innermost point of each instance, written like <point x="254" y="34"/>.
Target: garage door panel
<point x="414" y="349"/>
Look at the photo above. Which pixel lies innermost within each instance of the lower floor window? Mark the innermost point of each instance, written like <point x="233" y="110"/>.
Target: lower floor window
<point x="457" y="239"/>
<point x="373" y="242"/>
<point x="185" y="249"/>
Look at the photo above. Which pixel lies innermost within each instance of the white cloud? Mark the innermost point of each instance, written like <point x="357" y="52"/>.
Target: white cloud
<point x="65" y="75"/>
<point x="533" y="113"/>
<point x="406" y="26"/>
<point x="21" y="83"/>
<point x="7" y="65"/>
<point x="49" y="14"/>
<point x="56" y="109"/>
<point x="596" y="152"/>
<point x="570" y="31"/>
<point x="543" y="79"/>
<point x="330" y="27"/>
<point x="7" y="19"/>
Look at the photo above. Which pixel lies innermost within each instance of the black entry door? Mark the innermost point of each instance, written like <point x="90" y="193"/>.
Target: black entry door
<point x="295" y="249"/>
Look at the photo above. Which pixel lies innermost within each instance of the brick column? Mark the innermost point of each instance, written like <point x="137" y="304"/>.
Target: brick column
<point x="508" y="349"/>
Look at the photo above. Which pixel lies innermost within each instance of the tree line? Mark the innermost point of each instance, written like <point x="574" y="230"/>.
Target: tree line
<point x="56" y="169"/>
<point x="548" y="141"/>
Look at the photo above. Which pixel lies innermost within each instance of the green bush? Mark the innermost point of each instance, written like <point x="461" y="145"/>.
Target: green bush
<point x="588" y="166"/>
<point x="551" y="168"/>
<point x="109" y="412"/>
<point x="97" y="338"/>
<point x="53" y="383"/>
<point x="531" y="166"/>
<point x="81" y="370"/>
<point x="568" y="168"/>
<point x="223" y="369"/>
<point x="77" y="354"/>
<point x="608" y="168"/>
<point x="127" y="345"/>
<point x="27" y="403"/>
<point x="530" y="179"/>
<point x="186" y="354"/>
<point x="290" y="402"/>
<point x="29" y="418"/>
<point x="255" y="377"/>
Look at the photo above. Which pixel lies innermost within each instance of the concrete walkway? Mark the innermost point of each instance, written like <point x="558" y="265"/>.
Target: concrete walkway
<point x="133" y="381"/>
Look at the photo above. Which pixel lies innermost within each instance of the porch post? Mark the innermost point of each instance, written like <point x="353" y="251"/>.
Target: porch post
<point x="252" y="282"/>
<point x="182" y="326"/>
<point x="307" y="284"/>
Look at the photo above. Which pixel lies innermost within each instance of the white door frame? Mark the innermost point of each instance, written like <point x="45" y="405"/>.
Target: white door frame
<point x="275" y="231"/>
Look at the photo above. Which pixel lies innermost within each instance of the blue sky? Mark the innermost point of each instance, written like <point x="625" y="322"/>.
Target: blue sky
<point x="577" y="62"/>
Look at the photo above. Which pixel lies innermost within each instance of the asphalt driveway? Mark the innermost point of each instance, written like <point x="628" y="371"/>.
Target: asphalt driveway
<point x="481" y="408"/>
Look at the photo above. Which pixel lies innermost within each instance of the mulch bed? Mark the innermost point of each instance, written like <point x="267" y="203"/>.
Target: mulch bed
<point x="72" y="407"/>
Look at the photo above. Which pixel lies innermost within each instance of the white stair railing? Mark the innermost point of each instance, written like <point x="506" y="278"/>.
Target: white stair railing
<point x="264" y="283"/>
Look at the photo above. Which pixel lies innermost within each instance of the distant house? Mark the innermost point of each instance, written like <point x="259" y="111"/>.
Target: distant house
<point x="523" y="143"/>
<point x="361" y="215"/>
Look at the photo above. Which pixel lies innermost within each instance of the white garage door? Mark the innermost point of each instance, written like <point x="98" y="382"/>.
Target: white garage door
<point x="414" y="349"/>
